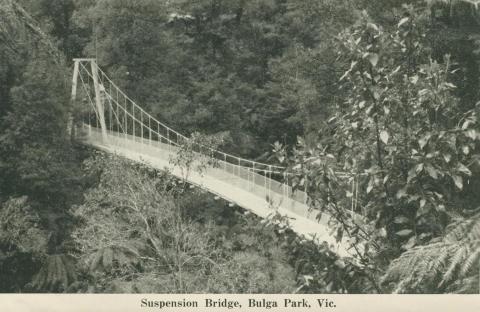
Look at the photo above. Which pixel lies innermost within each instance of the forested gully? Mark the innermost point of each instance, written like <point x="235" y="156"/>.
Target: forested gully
<point x="367" y="108"/>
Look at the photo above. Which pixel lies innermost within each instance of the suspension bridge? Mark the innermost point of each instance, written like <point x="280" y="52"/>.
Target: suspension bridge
<point x="114" y="123"/>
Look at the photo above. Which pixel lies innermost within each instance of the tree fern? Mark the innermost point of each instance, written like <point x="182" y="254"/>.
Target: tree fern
<point x="440" y="265"/>
<point x="57" y="273"/>
<point x="113" y="257"/>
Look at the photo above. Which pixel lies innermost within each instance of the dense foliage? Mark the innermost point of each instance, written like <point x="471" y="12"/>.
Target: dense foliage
<point x="386" y="91"/>
<point x="411" y="144"/>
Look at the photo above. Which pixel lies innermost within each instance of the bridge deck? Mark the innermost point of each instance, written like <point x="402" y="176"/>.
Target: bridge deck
<point x="236" y="184"/>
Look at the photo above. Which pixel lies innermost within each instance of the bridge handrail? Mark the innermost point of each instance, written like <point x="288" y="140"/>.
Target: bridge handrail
<point x="271" y="168"/>
<point x="226" y="155"/>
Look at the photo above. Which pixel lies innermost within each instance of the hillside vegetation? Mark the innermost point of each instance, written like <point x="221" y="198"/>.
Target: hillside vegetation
<point x="385" y="90"/>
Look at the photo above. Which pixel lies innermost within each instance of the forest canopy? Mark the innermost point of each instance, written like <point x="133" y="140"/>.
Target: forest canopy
<point x="384" y="90"/>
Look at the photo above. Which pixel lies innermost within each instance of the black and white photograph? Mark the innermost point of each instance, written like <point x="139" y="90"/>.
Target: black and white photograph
<point x="293" y="147"/>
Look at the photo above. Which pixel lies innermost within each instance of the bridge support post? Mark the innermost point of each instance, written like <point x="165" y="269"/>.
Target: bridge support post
<point x="98" y="101"/>
<point x="73" y="97"/>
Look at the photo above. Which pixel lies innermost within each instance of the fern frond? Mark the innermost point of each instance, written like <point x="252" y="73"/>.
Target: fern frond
<point x="439" y="265"/>
<point x="112" y="257"/>
<point x="456" y="260"/>
<point x="468" y="285"/>
<point x="95" y="260"/>
<point x="440" y="261"/>
<point x="474" y="258"/>
<point x="108" y="258"/>
<point x="474" y="234"/>
<point x="57" y="273"/>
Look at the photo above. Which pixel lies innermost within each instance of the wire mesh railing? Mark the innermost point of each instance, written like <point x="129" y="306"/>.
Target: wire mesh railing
<point x="125" y="121"/>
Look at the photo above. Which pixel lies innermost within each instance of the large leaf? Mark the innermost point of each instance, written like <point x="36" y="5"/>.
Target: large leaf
<point x="384" y="136"/>
<point x="404" y="233"/>
<point x="402" y="21"/>
<point x="458" y="180"/>
<point x="422" y="142"/>
<point x="463" y="169"/>
<point x="373" y="59"/>
<point x="400" y="220"/>
<point x="432" y="172"/>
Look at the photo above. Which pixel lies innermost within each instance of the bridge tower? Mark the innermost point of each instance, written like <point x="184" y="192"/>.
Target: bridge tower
<point x="99" y="100"/>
